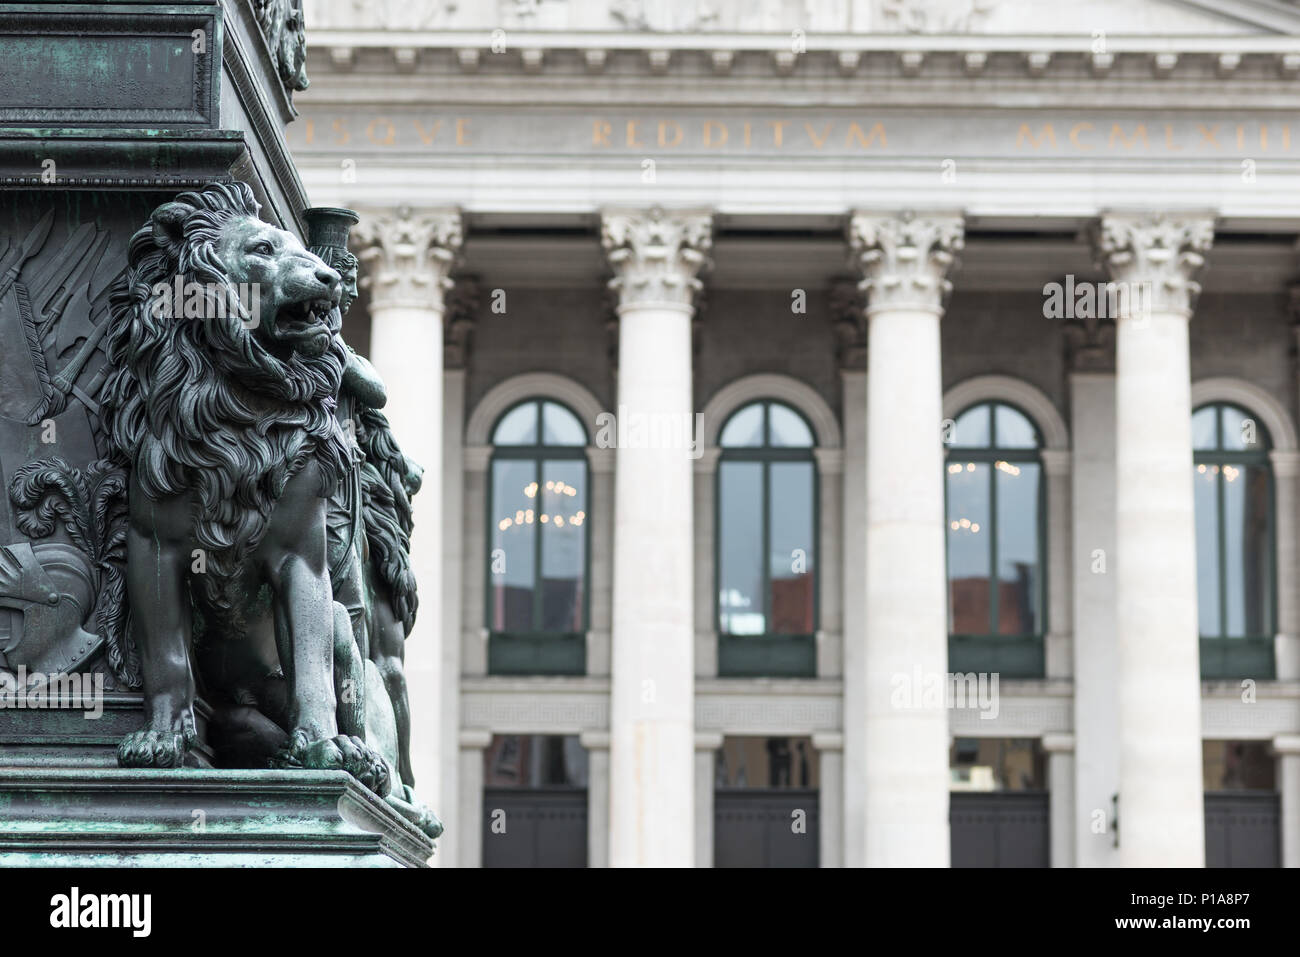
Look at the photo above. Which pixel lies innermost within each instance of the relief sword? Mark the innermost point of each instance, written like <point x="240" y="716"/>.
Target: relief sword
<point x="34" y="241"/>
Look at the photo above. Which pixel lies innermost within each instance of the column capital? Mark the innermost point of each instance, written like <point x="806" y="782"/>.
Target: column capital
<point x="905" y="257"/>
<point x="1157" y="255"/>
<point x="656" y="255"/>
<point x="408" y="255"/>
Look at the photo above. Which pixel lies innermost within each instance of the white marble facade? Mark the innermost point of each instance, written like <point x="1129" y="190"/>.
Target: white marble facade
<point x="614" y="206"/>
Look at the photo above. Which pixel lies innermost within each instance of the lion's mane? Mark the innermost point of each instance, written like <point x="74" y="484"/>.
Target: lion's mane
<point x="198" y="404"/>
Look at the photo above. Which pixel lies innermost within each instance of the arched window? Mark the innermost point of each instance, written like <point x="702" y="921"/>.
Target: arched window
<point x="538" y="542"/>
<point x="1234" y="542"/>
<point x="995" y="528"/>
<point x="766" y="543"/>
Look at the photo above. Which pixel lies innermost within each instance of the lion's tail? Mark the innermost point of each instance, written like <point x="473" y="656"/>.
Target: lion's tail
<point x="110" y="519"/>
<point x="115" y="623"/>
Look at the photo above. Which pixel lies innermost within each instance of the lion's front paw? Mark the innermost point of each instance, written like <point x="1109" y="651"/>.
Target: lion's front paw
<point x="153" y="749"/>
<point x="340" y="753"/>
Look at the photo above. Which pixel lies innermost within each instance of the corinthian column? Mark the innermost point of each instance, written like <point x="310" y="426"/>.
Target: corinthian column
<point x="1153" y="260"/>
<point x="655" y="257"/>
<point x="405" y="261"/>
<point x="904" y="260"/>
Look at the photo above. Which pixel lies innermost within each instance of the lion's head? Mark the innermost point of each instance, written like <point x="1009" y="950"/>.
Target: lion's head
<point x="225" y="367"/>
<point x="298" y="292"/>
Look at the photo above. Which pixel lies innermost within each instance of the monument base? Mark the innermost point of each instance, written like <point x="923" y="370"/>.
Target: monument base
<point x="97" y="817"/>
<point x="79" y="730"/>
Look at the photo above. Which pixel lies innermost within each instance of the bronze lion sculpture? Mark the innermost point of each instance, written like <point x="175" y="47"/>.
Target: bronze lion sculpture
<point x="225" y="417"/>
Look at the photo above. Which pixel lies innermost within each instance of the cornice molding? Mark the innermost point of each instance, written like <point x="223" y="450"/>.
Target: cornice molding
<point x="976" y="57"/>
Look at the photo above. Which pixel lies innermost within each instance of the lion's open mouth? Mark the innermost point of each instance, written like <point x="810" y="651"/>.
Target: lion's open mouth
<point x="305" y="327"/>
<point x="303" y="318"/>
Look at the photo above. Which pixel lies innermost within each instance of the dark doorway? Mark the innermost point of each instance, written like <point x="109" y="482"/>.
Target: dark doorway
<point x="1243" y="815"/>
<point x="999" y="808"/>
<point x="1000" y="829"/>
<point x="535" y="801"/>
<point x="761" y="827"/>
<point x="765" y="803"/>
<point x="1242" y="829"/>
<point x="1242" y="806"/>
<point x="542" y="828"/>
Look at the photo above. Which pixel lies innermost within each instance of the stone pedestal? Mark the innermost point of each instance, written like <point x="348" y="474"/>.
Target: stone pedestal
<point x="187" y="818"/>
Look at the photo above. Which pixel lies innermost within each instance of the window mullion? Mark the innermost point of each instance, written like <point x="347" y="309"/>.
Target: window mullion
<point x="995" y="628"/>
<point x="1222" y="530"/>
<point x="489" y="611"/>
<point x="537" y="540"/>
<point x="585" y="611"/>
<point x="1040" y="620"/>
<point x="947" y="548"/>
<point x="718" y="570"/>
<point x="766" y="467"/>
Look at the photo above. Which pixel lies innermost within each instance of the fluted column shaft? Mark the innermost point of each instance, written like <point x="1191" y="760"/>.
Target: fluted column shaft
<point x="1161" y="812"/>
<point x="905" y="260"/>
<point x="406" y="258"/>
<point x="655" y="258"/>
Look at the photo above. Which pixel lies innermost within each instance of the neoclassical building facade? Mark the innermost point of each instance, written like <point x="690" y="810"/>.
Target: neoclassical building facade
<point x="859" y="433"/>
